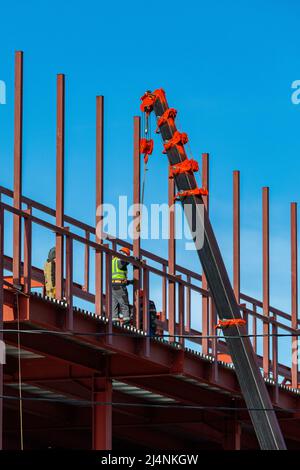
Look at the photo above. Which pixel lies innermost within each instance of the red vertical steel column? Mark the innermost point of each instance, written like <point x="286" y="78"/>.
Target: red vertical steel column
<point x="266" y="282"/>
<point x="232" y="435"/>
<point x="18" y="134"/>
<point x="102" y="414"/>
<point x="69" y="282"/>
<point x="146" y="312"/>
<point x="181" y="312"/>
<point x="137" y="221"/>
<point x="254" y="329"/>
<point x="27" y="253"/>
<point x="1" y="319"/>
<point x="60" y="163"/>
<point x="99" y="202"/>
<point x="171" y="259"/>
<point x="188" y="306"/>
<point x="87" y="264"/>
<point x="294" y="292"/>
<point x="205" y="300"/>
<point x="164" y="292"/>
<point x="236" y="235"/>
<point x="108" y="296"/>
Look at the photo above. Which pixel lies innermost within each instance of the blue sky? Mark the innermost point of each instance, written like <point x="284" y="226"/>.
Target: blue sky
<point x="226" y="66"/>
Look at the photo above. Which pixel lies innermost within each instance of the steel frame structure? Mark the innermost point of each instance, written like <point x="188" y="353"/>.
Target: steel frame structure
<point x="91" y="359"/>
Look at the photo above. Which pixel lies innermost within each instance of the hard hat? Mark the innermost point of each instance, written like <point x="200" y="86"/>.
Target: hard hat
<point x="125" y="250"/>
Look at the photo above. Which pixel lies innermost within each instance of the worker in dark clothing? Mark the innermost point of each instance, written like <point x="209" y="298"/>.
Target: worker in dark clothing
<point x="120" y="301"/>
<point x="49" y="274"/>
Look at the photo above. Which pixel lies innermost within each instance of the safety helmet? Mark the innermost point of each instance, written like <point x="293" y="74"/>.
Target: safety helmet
<point x="125" y="250"/>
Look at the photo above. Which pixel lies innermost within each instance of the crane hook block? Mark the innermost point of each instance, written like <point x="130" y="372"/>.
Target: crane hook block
<point x="146" y="148"/>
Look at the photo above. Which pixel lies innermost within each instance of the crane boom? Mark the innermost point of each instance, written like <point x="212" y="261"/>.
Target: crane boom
<point x="252" y="384"/>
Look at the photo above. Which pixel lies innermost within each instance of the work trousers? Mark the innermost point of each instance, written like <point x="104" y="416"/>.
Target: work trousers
<point x="120" y="302"/>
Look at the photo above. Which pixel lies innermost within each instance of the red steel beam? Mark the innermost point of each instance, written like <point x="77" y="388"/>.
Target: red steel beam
<point x="171" y="259"/>
<point x="99" y="202"/>
<point x="266" y="281"/>
<point x="294" y="292"/>
<point x="137" y="221"/>
<point x="102" y="414"/>
<point x="60" y="163"/>
<point x="18" y="137"/>
<point x="205" y="300"/>
<point x="236" y="235"/>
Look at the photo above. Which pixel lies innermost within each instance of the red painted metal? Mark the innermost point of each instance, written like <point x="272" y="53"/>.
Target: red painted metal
<point x="27" y="253"/>
<point x="18" y="137"/>
<point x="137" y="214"/>
<point x="108" y="296"/>
<point x="294" y="292"/>
<point x="69" y="282"/>
<point x="205" y="300"/>
<point x="236" y="235"/>
<point x="102" y="414"/>
<point x="145" y="303"/>
<point x="60" y="162"/>
<point x="266" y="281"/>
<point x="171" y="259"/>
<point x="137" y="360"/>
<point x="99" y="201"/>
<point x="87" y="264"/>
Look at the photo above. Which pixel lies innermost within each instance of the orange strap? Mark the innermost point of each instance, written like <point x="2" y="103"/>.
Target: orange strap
<point x="187" y="166"/>
<point x="230" y="322"/>
<point x="192" y="192"/>
<point x="168" y="116"/>
<point x="179" y="138"/>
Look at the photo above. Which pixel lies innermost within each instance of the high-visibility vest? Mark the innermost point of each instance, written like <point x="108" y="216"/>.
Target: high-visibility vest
<point x="118" y="274"/>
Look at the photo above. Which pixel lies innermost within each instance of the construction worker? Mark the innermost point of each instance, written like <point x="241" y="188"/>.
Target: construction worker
<point x="120" y="301"/>
<point x="49" y="274"/>
<point x="152" y="314"/>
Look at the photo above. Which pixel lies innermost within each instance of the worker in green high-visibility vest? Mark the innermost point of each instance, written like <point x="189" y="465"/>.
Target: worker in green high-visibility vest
<point x="120" y="301"/>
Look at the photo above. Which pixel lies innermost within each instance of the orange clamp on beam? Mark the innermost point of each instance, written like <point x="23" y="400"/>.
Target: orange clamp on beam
<point x="192" y="192"/>
<point x="146" y="148"/>
<point x="149" y="98"/>
<point x="179" y="138"/>
<point x="168" y="117"/>
<point x="230" y="322"/>
<point x="187" y="166"/>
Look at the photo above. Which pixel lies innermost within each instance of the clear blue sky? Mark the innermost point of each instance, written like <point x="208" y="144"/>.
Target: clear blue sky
<point x="226" y="66"/>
